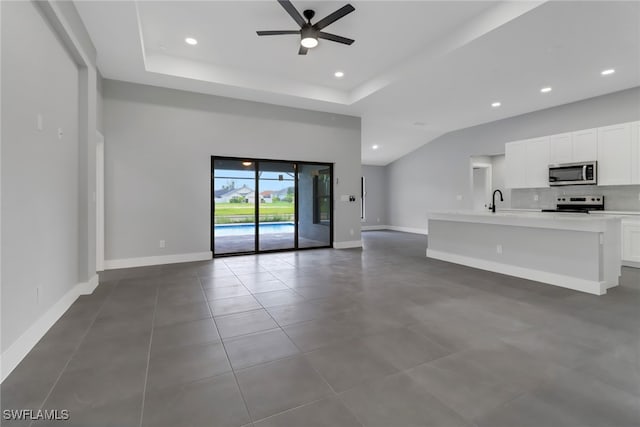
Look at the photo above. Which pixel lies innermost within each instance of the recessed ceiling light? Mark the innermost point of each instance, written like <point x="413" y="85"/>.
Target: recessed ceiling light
<point x="246" y="163"/>
<point x="608" y="72"/>
<point x="496" y="104"/>
<point x="339" y="74"/>
<point x="545" y="89"/>
<point x="375" y="147"/>
<point x="191" y="41"/>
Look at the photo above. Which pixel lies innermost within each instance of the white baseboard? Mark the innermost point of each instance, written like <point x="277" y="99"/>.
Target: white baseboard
<point x="111" y="264"/>
<point x="374" y="227"/>
<point x="12" y="356"/>
<point x="577" y="284"/>
<point x="408" y="229"/>
<point x="633" y="264"/>
<point x="395" y="228"/>
<point x="348" y="244"/>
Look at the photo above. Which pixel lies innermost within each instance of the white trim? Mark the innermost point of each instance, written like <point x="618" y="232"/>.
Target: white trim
<point x="12" y="356"/>
<point x="374" y="227"/>
<point x="409" y="229"/>
<point x="99" y="200"/>
<point x="584" y="285"/>
<point x="348" y="244"/>
<point x="111" y="264"/>
<point x="632" y="264"/>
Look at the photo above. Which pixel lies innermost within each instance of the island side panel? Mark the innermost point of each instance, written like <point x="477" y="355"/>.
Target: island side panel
<point x="570" y="259"/>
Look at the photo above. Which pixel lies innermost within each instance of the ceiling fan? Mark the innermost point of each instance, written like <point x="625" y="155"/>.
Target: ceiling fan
<point x="310" y="33"/>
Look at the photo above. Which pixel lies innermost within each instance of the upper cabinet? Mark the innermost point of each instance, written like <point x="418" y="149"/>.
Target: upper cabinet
<point x="585" y="145"/>
<point x="635" y="153"/>
<point x="561" y="148"/>
<point x="615" y="155"/>
<point x="527" y="163"/>
<point x="616" y="149"/>
<point x="571" y="147"/>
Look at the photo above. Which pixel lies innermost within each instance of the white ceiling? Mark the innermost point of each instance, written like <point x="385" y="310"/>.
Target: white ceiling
<point x="436" y="63"/>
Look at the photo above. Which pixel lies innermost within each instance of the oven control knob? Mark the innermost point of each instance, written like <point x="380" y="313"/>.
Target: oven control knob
<point x="593" y="200"/>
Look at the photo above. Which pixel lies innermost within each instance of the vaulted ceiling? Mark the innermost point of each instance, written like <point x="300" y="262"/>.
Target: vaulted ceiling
<point x="418" y="69"/>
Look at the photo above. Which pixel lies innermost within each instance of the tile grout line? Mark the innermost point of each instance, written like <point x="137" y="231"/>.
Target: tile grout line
<point x="146" y="375"/>
<point x="226" y="353"/>
<point x="301" y="354"/>
<point x="75" y="350"/>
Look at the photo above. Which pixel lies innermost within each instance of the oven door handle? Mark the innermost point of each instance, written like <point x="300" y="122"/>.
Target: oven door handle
<point x="584" y="172"/>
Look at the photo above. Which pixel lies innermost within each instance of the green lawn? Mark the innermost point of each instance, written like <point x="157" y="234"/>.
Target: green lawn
<point x="275" y="208"/>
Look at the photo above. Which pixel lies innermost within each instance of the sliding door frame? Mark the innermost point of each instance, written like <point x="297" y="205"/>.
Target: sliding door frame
<point x="256" y="162"/>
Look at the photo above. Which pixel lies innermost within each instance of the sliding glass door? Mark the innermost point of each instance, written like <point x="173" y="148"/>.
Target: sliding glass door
<point x="314" y="218"/>
<point x="270" y="205"/>
<point x="277" y="207"/>
<point x="234" y="215"/>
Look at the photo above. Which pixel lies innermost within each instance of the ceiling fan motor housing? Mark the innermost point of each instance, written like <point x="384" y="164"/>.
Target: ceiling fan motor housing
<point x="309" y="14"/>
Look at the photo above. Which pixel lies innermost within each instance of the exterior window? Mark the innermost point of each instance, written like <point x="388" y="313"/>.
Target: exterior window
<point x="322" y="197"/>
<point x="363" y="193"/>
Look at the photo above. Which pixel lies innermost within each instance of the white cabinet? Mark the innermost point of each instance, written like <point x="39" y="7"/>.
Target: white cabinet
<point x="585" y="145"/>
<point x="571" y="147"/>
<point x="537" y="162"/>
<point x="561" y="148"/>
<point x="635" y="152"/>
<point x="515" y="155"/>
<point x="616" y="149"/>
<point x="614" y="155"/>
<point x="631" y="242"/>
<point x="527" y="163"/>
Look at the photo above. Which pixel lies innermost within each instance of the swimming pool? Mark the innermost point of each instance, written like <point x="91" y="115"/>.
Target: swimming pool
<point x="245" y="229"/>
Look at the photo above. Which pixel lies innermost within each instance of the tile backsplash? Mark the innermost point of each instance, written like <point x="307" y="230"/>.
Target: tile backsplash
<point x="617" y="198"/>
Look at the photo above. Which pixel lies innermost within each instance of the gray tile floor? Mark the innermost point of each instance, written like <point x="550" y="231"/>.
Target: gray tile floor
<point x="379" y="337"/>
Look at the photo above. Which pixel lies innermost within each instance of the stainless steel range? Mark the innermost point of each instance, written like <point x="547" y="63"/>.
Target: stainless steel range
<point x="578" y="204"/>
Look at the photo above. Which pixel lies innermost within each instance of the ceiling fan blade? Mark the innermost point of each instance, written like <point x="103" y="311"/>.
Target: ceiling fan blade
<point x="303" y="50"/>
<point x="330" y="19"/>
<point x="291" y="10"/>
<point x="334" y="38"/>
<point x="277" y="32"/>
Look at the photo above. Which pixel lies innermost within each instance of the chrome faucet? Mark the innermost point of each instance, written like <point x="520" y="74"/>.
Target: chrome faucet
<point x="493" y="200"/>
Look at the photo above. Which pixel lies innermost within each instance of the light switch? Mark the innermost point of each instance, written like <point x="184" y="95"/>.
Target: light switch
<point x="344" y="198"/>
<point x="60" y="133"/>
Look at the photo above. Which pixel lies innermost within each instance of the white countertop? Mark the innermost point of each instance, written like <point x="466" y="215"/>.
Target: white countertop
<point x="562" y="221"/>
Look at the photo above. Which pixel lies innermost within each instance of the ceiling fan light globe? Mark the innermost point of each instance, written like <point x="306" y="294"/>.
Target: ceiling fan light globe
<point x="309" y="42"/>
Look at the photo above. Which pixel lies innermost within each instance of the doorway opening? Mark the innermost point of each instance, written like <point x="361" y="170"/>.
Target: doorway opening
<point x="260" y="205"/>
<point x="481" y="178"/>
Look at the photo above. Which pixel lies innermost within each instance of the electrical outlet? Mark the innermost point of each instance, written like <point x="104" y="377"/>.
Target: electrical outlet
<point x="536" y="197"/>
<point x="60" y="133"/>
<point x="459" y="197"/>
<point x="499" y="249"/>
<point x="163" y="244"/>
<point x="351" y="231"/>
<point x="378" y="220"/>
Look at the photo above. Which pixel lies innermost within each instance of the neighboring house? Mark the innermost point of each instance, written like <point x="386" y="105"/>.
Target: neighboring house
<point x="225" y="195"/>
<point x="266" y="196"/>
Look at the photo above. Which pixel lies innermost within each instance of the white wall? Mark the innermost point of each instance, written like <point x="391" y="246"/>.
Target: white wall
<point x="157" y="162"/>
<point x="431" y="177"/>
<point x="377" y="195"/>
<point x="39" y="171"/>
<point x="47" y="68"/>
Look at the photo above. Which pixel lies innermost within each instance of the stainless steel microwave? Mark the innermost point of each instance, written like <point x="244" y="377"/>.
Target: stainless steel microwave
<point x="583" y="173"/>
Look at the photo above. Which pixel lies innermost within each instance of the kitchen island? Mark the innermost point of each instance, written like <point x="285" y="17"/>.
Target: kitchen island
<point x="575" y="251"/>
